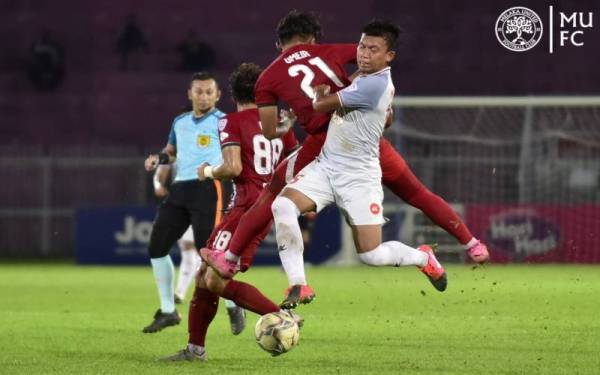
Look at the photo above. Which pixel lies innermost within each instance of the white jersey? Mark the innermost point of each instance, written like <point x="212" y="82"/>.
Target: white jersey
<point x="355" y="130"/>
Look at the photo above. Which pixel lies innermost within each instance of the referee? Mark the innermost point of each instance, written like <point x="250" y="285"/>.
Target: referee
<point x="193" y="140"/>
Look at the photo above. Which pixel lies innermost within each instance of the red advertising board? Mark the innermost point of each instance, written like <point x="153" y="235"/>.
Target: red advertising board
<point x="538" y="233"/>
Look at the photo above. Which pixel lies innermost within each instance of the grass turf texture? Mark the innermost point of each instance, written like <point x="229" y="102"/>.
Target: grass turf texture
<point x="58" y="318"/>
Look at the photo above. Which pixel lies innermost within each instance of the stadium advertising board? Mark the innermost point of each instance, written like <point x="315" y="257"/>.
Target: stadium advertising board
<point x="120" y="235"/>
<point x="538" y="233"/>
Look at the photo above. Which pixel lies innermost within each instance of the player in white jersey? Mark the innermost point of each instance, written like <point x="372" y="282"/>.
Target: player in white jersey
<point x="347" y="171"/>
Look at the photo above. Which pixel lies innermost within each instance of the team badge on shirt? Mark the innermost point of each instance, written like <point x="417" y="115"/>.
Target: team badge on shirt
<point x="222" y="124"/>
<point x="375" y="208"/>
<point x="203" y="140"/>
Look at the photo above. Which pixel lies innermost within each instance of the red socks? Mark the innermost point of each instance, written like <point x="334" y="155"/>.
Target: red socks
<point x="248" y="297"/>
<point x="203" y="308"/>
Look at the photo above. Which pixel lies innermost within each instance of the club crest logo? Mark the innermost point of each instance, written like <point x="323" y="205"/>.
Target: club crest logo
<point x="519" y="29"/>
<point x="375" y="208"/>
<point x="203" y="140"/>
<point x="222" y="124"/>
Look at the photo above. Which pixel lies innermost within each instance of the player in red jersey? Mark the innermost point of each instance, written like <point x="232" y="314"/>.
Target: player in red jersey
<point x="249" y="159"/>
<point x="302" y="65"/>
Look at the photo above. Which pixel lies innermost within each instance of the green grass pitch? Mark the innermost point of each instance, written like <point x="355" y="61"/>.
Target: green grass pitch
<point x="66" y="319"/>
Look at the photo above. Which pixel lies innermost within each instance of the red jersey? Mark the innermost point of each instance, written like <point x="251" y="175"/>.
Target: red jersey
<point x="291" y="77"/>
<point x="259" y="155"/>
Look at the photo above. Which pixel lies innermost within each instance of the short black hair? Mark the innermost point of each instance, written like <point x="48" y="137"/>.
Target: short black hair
<point x="385" y="29"/>
<point x="203" y="76"/>
<point x="242" y="81"/>
<point x="296" y="23"/>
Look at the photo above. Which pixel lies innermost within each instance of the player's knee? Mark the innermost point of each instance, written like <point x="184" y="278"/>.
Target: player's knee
<point x="200" y="276"/>
<point x="214" y="283"/>
<point x="157" y="251"/>
<point x="284" y="207"/>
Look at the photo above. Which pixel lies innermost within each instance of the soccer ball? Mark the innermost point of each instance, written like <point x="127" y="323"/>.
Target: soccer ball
<point x="276" y="333"/>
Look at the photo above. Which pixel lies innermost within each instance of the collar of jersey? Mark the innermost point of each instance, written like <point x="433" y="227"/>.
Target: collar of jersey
<point x="203" y="117"/>
<point x="294" y="48"/>
<point x="377" y="72"/>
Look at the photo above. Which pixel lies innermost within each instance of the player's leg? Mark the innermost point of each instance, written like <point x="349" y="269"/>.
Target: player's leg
<point x="243" y="294"/>
<point x="206" y="219"/>
<point x="259" y="216"/>
<point x="310" y="190"/>
<point x="170" y="223"/>
<point x="398" y="177"/>
<point x="362" y="203"/>
<point x="190" y="262"/>
<point x="203" y="308"/>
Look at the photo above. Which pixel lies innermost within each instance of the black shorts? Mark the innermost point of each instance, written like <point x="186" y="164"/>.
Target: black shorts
<point x="195" y="202"/>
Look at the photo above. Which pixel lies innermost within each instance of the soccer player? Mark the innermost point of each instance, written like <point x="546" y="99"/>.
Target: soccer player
<point x="248" y="159"/>
<point x="347" y="171"/>
<point x="193" y="140"/>
<point x="302" y="65"/>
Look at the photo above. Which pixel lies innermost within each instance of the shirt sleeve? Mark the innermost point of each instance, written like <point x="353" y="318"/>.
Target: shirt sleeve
<point x="172" y="137"/>
<point x="290" y="142"/>
<point x="229" y="132"/>
<point x="263" y="93"/>
<point x="363" y="93"/>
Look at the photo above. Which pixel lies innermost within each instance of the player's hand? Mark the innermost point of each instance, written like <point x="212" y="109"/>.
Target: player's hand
<point x="322" y="90"/>
<point x="151" y="162"/>
<point x="200" y="171"/>
<point x="161" y="192"/>
<point x="287" y="119"/>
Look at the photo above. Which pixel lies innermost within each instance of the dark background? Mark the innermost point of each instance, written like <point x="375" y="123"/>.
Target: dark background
<point x="448" y="48"/>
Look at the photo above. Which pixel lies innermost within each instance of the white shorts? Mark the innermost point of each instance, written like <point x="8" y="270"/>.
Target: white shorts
<point x="188" y="235"/>
<point x="359" y="197"/>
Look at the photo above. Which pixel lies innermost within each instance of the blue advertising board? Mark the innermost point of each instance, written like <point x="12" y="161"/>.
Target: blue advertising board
<point x="120" y="235"/>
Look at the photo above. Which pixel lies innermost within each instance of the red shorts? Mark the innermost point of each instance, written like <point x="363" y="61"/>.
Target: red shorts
<point x="392" y="164"/>
<point x="221" y="235"/>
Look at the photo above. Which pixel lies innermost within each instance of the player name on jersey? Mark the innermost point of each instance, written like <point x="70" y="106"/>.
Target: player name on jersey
<point x="296" y="56"/>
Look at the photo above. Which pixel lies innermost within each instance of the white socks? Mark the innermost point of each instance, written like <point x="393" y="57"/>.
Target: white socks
<point x="394" y="253"/>
<point x="163" y="274"/>
<point x="289" y="239"/>
<point x="471" y="243"/>
<point x="190" y="262"/>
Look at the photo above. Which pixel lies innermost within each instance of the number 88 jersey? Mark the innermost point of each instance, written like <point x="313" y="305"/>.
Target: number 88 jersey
<point x="259" y="155"/>
<point x="291" y="77"/>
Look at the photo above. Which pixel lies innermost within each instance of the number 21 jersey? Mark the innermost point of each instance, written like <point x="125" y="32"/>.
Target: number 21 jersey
<point x="291" y="77"/>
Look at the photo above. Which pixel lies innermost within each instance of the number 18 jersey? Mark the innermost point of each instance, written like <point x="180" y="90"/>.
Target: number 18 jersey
<point x="259" y="155"/>
<point x="305" y="66"/>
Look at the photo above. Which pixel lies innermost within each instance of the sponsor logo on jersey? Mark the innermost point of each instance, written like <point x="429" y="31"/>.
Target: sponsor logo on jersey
<point x="222" y="124"/>
<point x="203" y="140"/>
<point x="223" y="136"/>
<point x="375" y="208"/>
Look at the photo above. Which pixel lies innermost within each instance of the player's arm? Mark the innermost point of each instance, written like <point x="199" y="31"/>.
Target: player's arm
<point x="229" y="169"/>
<point x="161" y="180"/>
<point x="324" y="101"/>
<point x="389" y="118"/>
<point x="166" y="156"/>
<point x="272" y="126"/>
